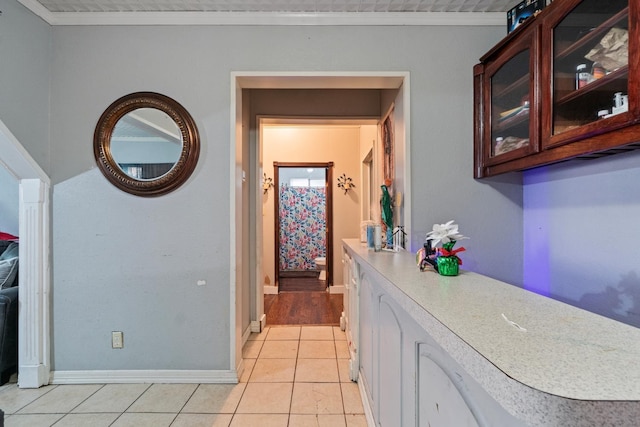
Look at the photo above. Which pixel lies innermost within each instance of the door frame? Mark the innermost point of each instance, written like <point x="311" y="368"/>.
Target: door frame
<point x="328" y="183"/>
<point x="243" y="155"/>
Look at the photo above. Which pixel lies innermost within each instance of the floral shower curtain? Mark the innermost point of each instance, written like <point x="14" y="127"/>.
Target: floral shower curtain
<point x="303" y="227"/>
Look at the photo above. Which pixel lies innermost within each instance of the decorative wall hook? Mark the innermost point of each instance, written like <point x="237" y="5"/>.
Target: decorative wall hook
<point x="345" y="183"/>
<point x="267" y="183"/>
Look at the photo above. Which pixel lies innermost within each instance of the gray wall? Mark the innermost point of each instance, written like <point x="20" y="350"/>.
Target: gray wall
<point x="131" y="264"/>
<point x="582" y="234"/>
<point x="25" y="46"/>
<point x="8" y="203"/>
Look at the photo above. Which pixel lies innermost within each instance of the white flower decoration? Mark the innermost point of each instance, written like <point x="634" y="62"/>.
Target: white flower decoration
<point x="444" y="233"/>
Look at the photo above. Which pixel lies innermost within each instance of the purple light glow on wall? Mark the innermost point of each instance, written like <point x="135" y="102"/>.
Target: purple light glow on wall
<point x="537" y="232"/>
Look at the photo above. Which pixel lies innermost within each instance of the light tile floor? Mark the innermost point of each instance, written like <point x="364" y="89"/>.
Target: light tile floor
<point x="295" y="376"/>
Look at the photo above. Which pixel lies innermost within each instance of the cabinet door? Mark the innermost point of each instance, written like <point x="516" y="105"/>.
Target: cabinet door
<point x="586" y="43"/>
<point x="511" y="99"/>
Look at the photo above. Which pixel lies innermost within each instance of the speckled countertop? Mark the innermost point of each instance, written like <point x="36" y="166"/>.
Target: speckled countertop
<point x="565" y="351"/>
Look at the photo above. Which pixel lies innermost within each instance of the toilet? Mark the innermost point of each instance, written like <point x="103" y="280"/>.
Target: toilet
<point x="321" y="264"/>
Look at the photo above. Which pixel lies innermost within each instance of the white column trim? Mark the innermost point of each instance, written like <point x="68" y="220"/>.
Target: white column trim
<point x="34" y="276"/>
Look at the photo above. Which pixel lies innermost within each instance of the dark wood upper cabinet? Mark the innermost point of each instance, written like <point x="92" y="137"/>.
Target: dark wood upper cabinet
<point x="564" y="84"/>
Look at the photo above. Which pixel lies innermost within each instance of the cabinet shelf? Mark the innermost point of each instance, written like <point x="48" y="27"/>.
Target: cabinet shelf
<point x="520" y="84"/>
<point x="595" y="33"/>
<point x="511" y="122"/>
<point x="611" y="81"/>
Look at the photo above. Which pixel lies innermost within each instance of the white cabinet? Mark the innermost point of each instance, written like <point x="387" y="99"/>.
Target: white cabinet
<point x="349" y="318"/>
<point x="408" y="379"/>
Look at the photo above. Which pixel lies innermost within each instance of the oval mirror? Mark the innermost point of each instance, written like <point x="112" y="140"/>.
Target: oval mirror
<point x="146" y="144"/>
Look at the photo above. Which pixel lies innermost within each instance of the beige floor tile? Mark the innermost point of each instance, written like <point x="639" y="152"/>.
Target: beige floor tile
<point x="266" y="398"/>
<point x="258" y="336"/>
<point x="317" y="350"/>
<point x="12" y="399"/>
<point x="297" y="420"/>
<point x="354" y="420"/>
<point x="163" y="398"/>
<point x="215" y="399"/>
<point x="316" y="333"/>
<point x="32" y="420"/>
<point x="248" y="368"/>
<point x="9" y="385"/>
<point x="202" y="420"/>
<point x="342" y="350"/>
<point x="84" y="420"/>
<point x="112" y="398"/>
<point x="279" y="350"/>
<point x="284" y="333"/>
<point x="262" y="420"/>
<point x="317" y="371"/>
<point x="339" y="334"/>
<point x="351" y="398"/>
<point x="343" y="370"/>
<point x="316" y="398"/>
<point x="273" y="371"/>
<point x="251" y="349"/>
<point x="61" y="399"/>
<point x="144" y="420"/>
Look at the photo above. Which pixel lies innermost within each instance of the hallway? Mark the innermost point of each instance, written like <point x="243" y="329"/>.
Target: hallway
<point x="295" y="376"/>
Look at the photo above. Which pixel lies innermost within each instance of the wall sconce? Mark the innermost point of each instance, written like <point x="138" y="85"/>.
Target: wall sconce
<point x="345" y="183"/>
<point x="267" y="183"/>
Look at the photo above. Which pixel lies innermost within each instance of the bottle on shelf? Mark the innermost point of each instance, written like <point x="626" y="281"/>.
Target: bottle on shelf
<point x="583" y="77"/>
<point x="597" y="71"/>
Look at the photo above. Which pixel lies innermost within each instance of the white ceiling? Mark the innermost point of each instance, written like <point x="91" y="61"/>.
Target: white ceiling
<point x="272" y="12"/>
<point x="310" y="6"/>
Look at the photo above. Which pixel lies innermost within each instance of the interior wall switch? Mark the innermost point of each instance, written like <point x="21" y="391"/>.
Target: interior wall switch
<point x="117" y="339"/>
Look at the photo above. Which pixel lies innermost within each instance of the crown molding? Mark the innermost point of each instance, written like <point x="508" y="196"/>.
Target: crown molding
<point x="265" y="18"/>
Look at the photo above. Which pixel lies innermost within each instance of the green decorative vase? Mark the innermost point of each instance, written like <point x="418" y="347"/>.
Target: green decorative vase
<point x="448" y="265"/>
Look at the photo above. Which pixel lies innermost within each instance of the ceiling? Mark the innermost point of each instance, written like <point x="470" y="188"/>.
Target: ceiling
<point x="272" y="12"/>
<point x="310" y="6"/>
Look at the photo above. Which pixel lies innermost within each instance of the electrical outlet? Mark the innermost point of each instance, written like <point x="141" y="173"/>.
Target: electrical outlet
<point x="117" y="339"/>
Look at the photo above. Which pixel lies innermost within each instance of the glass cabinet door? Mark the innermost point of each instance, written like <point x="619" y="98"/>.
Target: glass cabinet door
<point x="589" y="70"/>
<point x="510" y="88"/>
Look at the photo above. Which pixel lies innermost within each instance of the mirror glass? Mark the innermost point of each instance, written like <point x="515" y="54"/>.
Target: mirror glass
<point x="146" y="143"/>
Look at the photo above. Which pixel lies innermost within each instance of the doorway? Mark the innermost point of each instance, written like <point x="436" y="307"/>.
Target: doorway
<point x="303" y="226"/>
<point x="330" y="95"/>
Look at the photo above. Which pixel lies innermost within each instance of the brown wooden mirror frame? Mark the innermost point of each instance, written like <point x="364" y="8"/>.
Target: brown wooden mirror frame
<point x="169" y="181"/>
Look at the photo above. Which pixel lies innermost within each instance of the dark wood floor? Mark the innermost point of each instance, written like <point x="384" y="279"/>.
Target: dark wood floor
<point x="301" y="283"/>
<point x="302" y="306"/>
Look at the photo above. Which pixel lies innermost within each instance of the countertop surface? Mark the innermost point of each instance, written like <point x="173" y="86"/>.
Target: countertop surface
<point x="551" y="346"/>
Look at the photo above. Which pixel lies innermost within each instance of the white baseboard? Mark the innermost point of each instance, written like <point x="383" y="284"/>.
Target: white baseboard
<point x="257" y="326"/>
<point x="270" y="290"/>
<point x="33" y="376"/>
<point x="336" y="289"/>
<point x="144" y="376"/>
<point x="246" y="333"/>
<point x="368" y="412"/>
